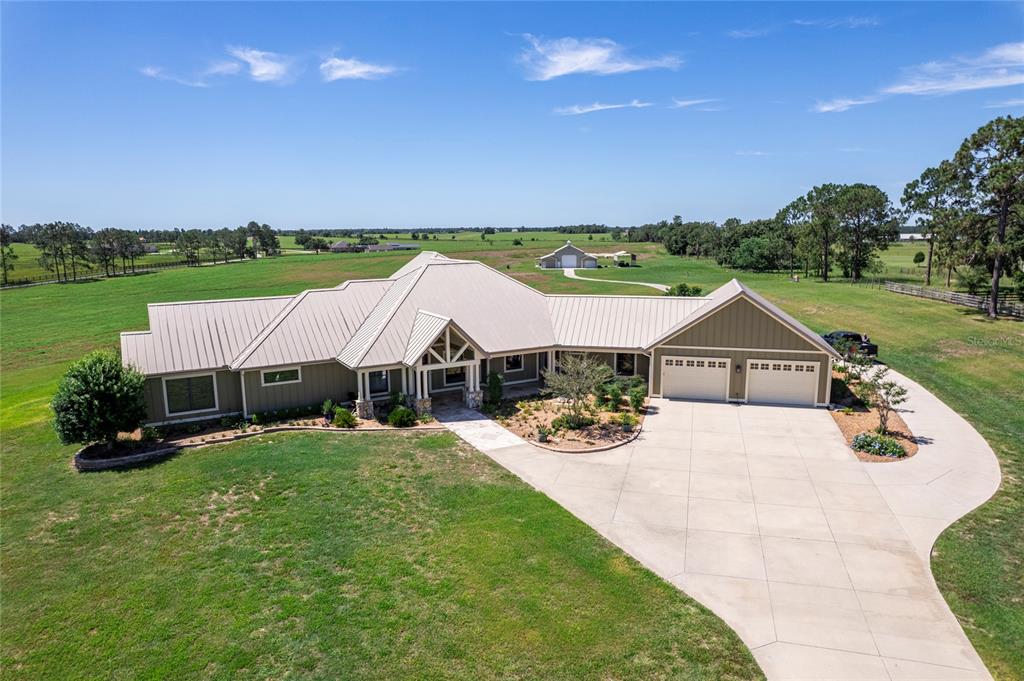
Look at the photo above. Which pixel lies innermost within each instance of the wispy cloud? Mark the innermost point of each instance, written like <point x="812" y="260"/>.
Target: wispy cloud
<point x="265" y="67"/>
<point x="842" y="104"/>
<point x="753" y="152"/>
<point x="158" y="73"/>
<point x="223" y="68"/>
<point x="578" y="109"/>
<point x="548" y="59"/>
<point x="1006" y="104"/>
<point x="839" y="22"/>
<point x="996" y="67"/>
<point x="746" y="33"/>
<point x="689" y="103"/>
<point x="999" y="66"/>
<point x="352" y="69"/>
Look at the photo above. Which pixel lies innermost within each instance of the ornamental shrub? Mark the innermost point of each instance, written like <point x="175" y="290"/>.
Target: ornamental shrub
<point x="402" y="417"/>
<point x="614" y="396"/>
<point x="495" y="388"/>
<point x="882" y="445"/>
<point x="343" y="418"/>
<point x="97" y="398"/>
<point x="636" y="399"/>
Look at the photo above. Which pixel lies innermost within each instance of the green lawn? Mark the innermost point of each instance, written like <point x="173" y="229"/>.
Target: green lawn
<point x="975" y="365"/>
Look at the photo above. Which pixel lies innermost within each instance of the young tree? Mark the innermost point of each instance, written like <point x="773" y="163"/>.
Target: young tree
<point x="97" y="398"/>
<point x="7" y="254"/>
<point x="867" y="223"/>
<point x="991" y="162"/>
<point x="919" y="258"/>
<point x="878" y="391"/>
<point x="575" y="381"/>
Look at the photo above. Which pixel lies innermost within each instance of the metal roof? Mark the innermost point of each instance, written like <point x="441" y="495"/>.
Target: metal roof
<point x="190" y="336"/>
<point x="616" y="321"/>
<point x="426" y="327"/>
<point x="568" y="246"/>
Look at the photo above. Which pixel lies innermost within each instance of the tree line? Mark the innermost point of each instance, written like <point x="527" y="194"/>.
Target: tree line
<point x="69" y="250"/>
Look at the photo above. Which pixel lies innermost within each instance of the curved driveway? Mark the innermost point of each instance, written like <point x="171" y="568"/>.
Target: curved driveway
<point x="571" y="273"/>
<point x="817" y="560"/>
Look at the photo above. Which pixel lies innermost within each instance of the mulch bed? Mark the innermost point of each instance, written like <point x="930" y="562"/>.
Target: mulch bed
<point x="862" y="419"/>
<point x="601" y="435"/>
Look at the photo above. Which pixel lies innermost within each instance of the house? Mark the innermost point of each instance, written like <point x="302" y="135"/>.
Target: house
<point x="567" y="256"/>
<point x="347" y="247"/>
<point x="439" y="325"/>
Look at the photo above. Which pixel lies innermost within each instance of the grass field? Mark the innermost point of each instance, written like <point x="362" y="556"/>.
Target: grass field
<point x="975" y="365"/>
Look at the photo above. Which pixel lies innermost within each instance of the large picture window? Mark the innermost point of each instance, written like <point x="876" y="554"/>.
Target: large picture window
<point x="625" y="364"/>
<point x="379" y="382"/>
<point x="513" y="363"/>
<point x="190" y="394"/>
<point x="279" y="376"/>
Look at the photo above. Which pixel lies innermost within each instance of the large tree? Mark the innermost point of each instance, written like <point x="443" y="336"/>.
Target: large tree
<point x="934" y="199"/>
<point x="867" y="223"/>
<point x="7" y="254"/>
<point x="814" y="215"/>
<point x="991" y="163"/>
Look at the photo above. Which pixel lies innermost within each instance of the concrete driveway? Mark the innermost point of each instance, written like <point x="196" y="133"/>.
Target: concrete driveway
<point x="762" y="514"/>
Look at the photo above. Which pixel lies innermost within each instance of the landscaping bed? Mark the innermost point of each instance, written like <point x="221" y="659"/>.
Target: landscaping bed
<point x="526" y="417"/>
<point x="855" y="418"/>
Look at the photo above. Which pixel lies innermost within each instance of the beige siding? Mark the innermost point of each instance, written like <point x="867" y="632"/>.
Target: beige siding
<point x="319" y="382"/>
<point x="738" y="381"/>
<point x="229" y="399"/>
<point x="741" y="325"/>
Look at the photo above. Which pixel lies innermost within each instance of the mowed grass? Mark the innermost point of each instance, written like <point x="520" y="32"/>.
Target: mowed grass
<point x="330" y="556"/>
<point x="975" y="365"/>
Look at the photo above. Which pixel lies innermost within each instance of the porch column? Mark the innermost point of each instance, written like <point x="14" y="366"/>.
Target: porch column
<point x="551" y="360"/>
<point x="364" y="406"/>
<point x="360" y="395"/>
<point x="405" y="380"/>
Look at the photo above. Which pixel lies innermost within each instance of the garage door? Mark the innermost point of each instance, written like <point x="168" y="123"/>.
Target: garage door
<point x="568" y="261"/>
<point x="782" y="382"/>
<point x="695" y="378"/>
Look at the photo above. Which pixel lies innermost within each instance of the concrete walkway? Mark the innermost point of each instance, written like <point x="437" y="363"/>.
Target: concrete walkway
<point x="818" y="561"/>
<point x="571" y="273"/>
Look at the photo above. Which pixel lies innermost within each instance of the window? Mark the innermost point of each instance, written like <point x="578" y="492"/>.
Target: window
<point x="379" y="382"/>
<point x="190" y="394"/>
<point x="625" y="364"/>
<point x="700" y="363"/>
<point x="513" y="363"/>
<point x="279" y="376"/>
<point x="689" y="362"/>
<point x="455" y="375"/>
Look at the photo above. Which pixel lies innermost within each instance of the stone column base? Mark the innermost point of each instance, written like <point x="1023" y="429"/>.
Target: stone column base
<point x="473" y="398"/>
<point x="422" y="406"/>
<point x="364" y="409"/>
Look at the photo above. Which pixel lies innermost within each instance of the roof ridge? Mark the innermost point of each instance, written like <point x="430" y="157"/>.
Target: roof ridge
<point x="265" y="332"/>
<point x="413" y="276"/>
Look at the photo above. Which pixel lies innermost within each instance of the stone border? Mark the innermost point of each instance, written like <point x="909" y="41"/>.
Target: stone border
<point x="131" y="461"/>
<point x="588" y="450"/>
<point x="143" y="458"/>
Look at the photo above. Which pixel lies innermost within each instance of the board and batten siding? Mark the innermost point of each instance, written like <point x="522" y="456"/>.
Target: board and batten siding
<point x="529" y="371"/>
<point x="320" y="382"/>
<point x="737" y="333"/>
<point x="229" y="398"/>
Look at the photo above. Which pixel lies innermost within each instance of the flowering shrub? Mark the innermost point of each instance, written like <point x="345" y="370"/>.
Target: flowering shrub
<point x="881" y="445"/>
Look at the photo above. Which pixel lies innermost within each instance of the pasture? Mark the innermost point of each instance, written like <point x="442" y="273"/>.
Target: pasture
<point x="65" y="534"/>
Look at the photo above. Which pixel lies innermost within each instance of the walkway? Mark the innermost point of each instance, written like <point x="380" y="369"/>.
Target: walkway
<point x="818" y="561"/>
<point x="571" y="273"/>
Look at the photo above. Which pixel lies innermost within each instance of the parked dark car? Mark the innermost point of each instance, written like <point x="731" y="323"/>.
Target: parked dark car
<point x="854" y="343"/>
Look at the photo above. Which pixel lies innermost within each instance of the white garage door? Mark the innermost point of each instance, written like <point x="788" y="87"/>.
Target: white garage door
<point x="695" y="378"/>
<point x="568" y="261"/>
<point x="782" y="382"/>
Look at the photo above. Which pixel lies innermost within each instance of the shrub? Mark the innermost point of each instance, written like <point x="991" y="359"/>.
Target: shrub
<point x="919" y="257"/>
<point x="395" y="399"/>
<point x="627" y="421"/>
<point x="568" y="422"/>
<point x="257" y="418"/>
<point x="343" y="418"/>
<point x="601" y="393"/>
<point x="327" y="408"/>
<point x="402" y="417"/>
<point x="882" y="445"/>
<point x="636" y="399"/>
<point x="495" y="388"/>
<point x="973" y="279"/>
<point x="614" y="396"/>
<point x="97" y="398"/>
<point x="150" y="434"/>
<point x="684" y="290"/>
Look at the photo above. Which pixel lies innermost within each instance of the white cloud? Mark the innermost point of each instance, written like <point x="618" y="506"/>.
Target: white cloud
<point x="999" y="66"/>
<point x="263" y="66"/>
<point x="547" y="59"/>
<point x="687" y="103"/>
<point x="578" y="109"/>
<point x="842" y="104"/>
<point x="753" y="152"/>
<point x="840" y="22"/>
<point x="158" y="73"/>
<point x="352" y="69"/>
<point x="744" y="33"/>
<point x="223" y="68"/>
<point x="1009" y="103"/>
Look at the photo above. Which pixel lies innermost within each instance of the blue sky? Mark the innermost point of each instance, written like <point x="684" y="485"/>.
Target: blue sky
<point x="427" y="115"/>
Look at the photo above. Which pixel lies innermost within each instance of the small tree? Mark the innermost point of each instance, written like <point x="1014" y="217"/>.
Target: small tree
<point x="97" y="398"/>
<point x="884" y="394"/>
<point x="684" y="290"/>
<point x="575" y="382"/>
<point x="495" y="388"/>
<point x="919" y="258"/>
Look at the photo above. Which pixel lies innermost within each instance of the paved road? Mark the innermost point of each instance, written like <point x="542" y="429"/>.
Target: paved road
<point x="818" y="561"/>
<point x="571" y="273"/>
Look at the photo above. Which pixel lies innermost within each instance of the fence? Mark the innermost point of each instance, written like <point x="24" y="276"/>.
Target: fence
<point x="1005" y="307"/>
<point x="139" y="269"/>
